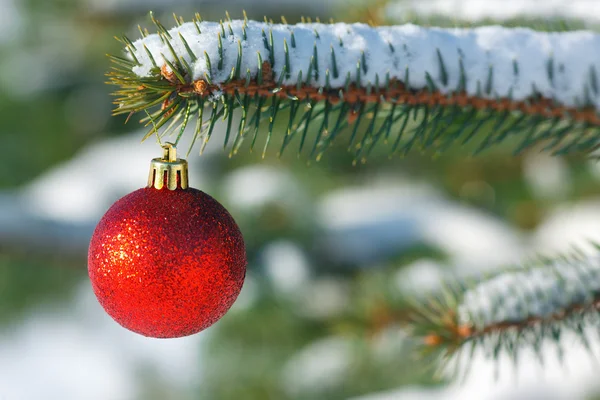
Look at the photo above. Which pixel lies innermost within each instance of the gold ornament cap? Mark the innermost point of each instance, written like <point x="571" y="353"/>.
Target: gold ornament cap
<point x="169" y="170"/>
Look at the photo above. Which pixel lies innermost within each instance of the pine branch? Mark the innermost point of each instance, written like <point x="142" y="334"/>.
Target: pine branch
<point x="407" y="86"/>
<point x="515" y="309"/>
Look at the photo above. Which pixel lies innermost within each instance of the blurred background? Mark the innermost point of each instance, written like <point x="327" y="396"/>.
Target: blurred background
<point x="334" y="250"/>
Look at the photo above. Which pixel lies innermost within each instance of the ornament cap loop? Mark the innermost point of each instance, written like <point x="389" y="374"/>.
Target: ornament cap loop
<point x="169" y="152"/>
<point x="169" y="170"/>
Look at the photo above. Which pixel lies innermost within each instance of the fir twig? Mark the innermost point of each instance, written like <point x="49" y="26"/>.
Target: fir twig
<point x="513" y="309"/>
<point x="173" y="70"/>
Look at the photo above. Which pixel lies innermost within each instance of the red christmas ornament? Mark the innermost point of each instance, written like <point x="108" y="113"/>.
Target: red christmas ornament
<point x="167" y="260"/>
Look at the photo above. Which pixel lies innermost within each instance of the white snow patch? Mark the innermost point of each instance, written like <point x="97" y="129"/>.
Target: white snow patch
<point x="421" y="277"/>
<point x="568" y="226"/>
<point x="253" y="187"/>
<point x="11" y="20"/>
<point x="363" y="224"/>
<point x="475" y="240"/>
<point x="415" y="51"/>
<point x="320" y="366"/>
<point x="575" y="379"/>
<point x="286" y="266"/>
<point x="477" y="10"/>
<point x="80" y="352"/>
<point x="407" y="393"/>
<point x="351" y="206"/>
<point x="547" y="176"/>
<point x="366" y="222"/>
<point x="324" y="298"/>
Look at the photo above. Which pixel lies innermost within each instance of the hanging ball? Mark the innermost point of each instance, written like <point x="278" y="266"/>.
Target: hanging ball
<point x="167" y="263"/>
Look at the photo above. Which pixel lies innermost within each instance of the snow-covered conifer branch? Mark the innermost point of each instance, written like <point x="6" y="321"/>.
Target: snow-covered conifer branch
<point x="402" y="85"/>
<point x="512" y="310"/>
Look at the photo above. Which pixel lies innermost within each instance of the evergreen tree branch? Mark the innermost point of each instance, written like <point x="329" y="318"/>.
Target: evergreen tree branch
<point x="514" y="309"/>
<point x="401" y="85"/>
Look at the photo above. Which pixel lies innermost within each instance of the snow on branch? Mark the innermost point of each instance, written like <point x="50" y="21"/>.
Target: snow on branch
<point x="487" y="62"/>
<point x="511" y="80"/>
<point x="515" y="309"/>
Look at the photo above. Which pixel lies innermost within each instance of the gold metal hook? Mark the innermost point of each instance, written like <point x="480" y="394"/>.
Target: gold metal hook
<point x="169" y="170"/>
